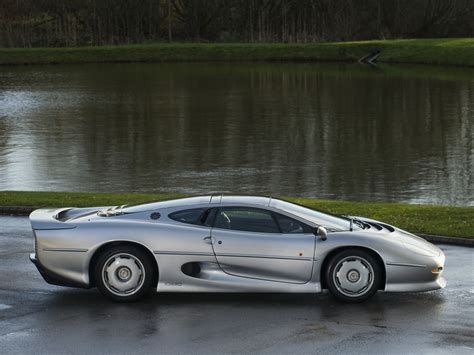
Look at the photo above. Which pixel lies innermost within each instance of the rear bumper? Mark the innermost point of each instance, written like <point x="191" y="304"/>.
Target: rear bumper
<point x="51" y="277"/>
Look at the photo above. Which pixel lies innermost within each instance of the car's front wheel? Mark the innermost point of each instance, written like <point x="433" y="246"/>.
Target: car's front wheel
<point x="353" y="275"/>
<point x="124" y="273"/>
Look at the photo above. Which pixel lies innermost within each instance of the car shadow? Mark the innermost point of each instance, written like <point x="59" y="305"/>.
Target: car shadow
<point x="183" y="313"/>
<point x="415" y="304"/>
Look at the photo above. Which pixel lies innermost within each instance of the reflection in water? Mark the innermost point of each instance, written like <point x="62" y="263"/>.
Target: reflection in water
<point x="330" y="131"/>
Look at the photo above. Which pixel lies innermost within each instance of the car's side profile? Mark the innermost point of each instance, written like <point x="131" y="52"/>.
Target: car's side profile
<point x="229" y="244"/>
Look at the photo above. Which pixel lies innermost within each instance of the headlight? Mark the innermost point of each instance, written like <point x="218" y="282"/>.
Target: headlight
<point x="419" y="248"/>
<point x="417" y="245"/>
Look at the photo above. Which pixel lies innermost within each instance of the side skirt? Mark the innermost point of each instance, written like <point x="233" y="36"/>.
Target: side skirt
<point x="211" y="278"/>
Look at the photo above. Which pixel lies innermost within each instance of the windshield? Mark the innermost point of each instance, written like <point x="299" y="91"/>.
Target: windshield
<point x="330" y="222"/>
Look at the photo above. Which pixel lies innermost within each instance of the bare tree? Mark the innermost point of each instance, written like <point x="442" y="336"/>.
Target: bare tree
<point x="25" y="23"/>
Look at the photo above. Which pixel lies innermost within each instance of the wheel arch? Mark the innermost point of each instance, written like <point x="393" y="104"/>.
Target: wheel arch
<point x="104" y="247"/>
<point x="337" y="250"/>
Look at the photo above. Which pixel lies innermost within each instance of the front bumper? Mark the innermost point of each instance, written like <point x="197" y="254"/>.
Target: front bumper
<point x="414" y="278"/>
<point x="51" y="277"/>
<point x="437" y="284"/>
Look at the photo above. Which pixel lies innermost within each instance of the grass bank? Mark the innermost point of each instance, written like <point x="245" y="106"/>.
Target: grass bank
<point x="459" y="51"/>
<point x="427" y="219"/>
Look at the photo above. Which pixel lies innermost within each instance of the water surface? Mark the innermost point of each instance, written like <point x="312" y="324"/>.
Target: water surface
<point x="391" y="133"/>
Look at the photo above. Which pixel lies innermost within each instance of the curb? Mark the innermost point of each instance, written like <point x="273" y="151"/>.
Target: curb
<point x="16" y="210"/>
<point x="438" y="239"/>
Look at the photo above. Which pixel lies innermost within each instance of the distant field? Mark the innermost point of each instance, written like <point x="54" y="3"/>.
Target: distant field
<point x="426" y="51"/>
<point x="427" y="219"/>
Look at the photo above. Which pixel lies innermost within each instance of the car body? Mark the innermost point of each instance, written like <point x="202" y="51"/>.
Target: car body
<point x="229" y="244"/>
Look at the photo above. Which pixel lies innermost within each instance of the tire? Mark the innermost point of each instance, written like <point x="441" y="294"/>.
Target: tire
<point x="353" y="275"/>
<point x="124" y="273"/>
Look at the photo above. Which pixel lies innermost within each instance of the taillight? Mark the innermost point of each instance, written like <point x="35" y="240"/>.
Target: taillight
<point x="36" y="243"/>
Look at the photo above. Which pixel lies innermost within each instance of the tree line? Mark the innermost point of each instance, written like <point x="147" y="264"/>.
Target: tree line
<point x="31" y="23"/>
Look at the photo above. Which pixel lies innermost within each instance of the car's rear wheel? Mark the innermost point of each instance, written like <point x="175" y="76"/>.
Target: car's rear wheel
<point x="124" y="273"/>
<point x="353" y="275"/>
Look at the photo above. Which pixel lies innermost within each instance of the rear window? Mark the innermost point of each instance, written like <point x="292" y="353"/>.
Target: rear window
<point x="195" y="216"/>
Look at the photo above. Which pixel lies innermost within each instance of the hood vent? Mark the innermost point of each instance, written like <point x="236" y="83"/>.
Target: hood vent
<point x="374" y="225"/>
<point x="112" y="211"/>
<point x="381" y="227"/>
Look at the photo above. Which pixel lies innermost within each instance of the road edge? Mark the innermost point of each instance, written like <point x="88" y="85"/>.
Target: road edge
<point x="438" y="239"/>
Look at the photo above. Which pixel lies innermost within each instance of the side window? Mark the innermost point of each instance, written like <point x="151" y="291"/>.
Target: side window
<point x="246" y="219"/>
<point x="289" y="225"/>
<point x="196" y="216"/>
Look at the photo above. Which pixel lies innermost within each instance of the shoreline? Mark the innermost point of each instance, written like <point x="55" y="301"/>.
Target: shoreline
<point x="446" y="51"/>
<point x="18" y="211"/>
<point x="429" y="221"/>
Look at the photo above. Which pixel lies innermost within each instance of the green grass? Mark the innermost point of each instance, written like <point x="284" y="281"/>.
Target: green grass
<point x="77" y="199"/>
<point x="452" y="51"/>
<point x="428" y="219"/>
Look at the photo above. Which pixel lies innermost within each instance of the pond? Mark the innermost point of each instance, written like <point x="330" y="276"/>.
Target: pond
<point x="333" y="131"/>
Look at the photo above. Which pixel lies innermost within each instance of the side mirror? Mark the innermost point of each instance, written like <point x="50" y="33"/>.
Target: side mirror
<point x="321" y="232"/>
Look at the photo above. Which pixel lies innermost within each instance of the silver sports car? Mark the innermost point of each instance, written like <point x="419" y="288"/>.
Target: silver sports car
<point x="229" y="244"/>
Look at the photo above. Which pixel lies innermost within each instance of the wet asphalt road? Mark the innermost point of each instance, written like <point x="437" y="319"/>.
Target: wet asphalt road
<point x="38" y="318"/>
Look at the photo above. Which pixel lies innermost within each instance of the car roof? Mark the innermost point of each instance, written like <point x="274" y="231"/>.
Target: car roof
<point x="245" y="200"/>
<point x="216" y="199"/>
<point x="179" y="202"/>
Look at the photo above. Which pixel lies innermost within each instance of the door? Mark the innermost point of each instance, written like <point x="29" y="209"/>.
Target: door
<point x="258" y="243"/>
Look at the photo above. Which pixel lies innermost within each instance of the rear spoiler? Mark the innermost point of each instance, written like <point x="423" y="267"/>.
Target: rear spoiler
<point x="47" y="218"/>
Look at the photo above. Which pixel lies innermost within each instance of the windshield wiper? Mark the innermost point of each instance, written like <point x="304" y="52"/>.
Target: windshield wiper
<point x="356" y="221"/>
<point x="350" y="219"/>
<point x="359" y="223"/>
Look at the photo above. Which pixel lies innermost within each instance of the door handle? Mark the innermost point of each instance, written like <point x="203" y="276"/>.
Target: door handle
<point x="208" y="239"/>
